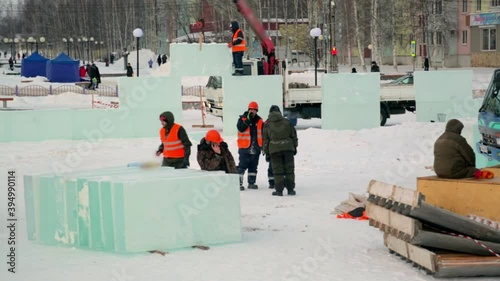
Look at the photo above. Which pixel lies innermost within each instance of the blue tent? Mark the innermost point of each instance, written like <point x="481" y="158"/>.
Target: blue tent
<point x="34" y="65"/>
<point x="63" y="69"/>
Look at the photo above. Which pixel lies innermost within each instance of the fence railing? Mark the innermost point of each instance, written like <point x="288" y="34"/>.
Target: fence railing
<point x="38" y="91"/>
<point x="194" y="91"/>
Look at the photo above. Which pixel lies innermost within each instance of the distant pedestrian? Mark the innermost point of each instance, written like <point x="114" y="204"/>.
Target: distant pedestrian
<point x="164" y="59"/>
<point x="426" y="64"/>
<point x="158" y="60"/>
<point x="150" y="63"/>
<point x="353" y="70"/>
<point x="375" y="67"/>
<point x="130" y="70"/>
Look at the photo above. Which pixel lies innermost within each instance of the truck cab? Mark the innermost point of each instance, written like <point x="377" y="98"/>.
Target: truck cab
<point x="489" y="120"/>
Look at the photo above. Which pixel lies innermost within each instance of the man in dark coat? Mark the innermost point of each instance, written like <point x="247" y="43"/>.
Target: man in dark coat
<point x="426" y="64"/>
<point x="214" y="155"/>
<point x="453" y="156"/>
<point x="158" y="60"/>
<point x="164" y="59"/>
<point x="375" y="67"/>
<point x="280" y="142"/>
<point x="130" y="70"/>
<point x="176" y="149"/>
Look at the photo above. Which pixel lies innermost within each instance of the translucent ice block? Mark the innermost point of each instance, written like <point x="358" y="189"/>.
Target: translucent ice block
<point x="239" y="91"/>
<point x="350" y="101"/>
<point x="200" y="60"/>
<point x="444" y="95"/>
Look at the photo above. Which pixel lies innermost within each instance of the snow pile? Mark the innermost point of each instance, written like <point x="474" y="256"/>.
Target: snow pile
<point x="144" y="56"/>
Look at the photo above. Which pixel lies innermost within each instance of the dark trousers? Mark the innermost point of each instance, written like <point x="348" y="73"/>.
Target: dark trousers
<point x="270" y="174"/>
<point x="250" y="162"/>
<point x="284" y="170"/>
<point x="238" y="62"/>
<point x="177" y="163"/>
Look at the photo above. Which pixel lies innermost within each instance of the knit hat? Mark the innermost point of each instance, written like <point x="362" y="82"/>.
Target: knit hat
<point x="274" y="108"/>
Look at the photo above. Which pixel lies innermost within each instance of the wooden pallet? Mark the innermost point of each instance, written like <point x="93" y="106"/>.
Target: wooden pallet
<point x="441" y="263"/>
<point x="416" y="233"/>
<point x="412" y="203"/>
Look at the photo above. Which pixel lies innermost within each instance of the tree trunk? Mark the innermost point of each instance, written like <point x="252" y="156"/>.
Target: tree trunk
<point x="394" y="35"/>
<point x="358" y="39"/>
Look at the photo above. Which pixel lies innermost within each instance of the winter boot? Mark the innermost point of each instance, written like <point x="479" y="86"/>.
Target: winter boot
<point x="271" y="186"/>
<point x="291" y="192"/>
<point x="241" y="187"/>
<point x="252" y="186"/>
<point x="277" y="193"/>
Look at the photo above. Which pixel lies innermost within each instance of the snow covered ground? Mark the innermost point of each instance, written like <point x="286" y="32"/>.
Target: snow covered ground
<point x="284" y="238"/>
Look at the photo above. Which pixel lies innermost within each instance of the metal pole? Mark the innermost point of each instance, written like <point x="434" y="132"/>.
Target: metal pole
<point x="330" y="27"/>
<point x="137" y="56"/>
<point x="68" y="48"/>
<point x="315" y="61"/>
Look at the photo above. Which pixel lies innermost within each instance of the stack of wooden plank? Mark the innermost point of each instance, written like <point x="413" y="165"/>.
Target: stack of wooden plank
<point x="443" y="243"/>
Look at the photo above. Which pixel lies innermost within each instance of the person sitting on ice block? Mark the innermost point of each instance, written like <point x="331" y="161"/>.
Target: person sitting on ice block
<point x="454" y="158"/>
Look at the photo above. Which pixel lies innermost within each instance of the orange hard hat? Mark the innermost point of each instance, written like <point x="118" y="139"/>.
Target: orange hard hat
<point x="213" y="136"/>
<point x="253" y="105"/>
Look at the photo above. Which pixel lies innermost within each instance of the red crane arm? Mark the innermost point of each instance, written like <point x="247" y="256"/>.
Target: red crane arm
<point x="257" y="26"/>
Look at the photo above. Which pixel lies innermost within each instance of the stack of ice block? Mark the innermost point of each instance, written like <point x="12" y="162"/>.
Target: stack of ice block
<point x="129" y="210"/>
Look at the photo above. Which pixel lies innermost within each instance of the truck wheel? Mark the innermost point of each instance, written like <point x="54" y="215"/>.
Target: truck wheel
<point x="383" y="117"/>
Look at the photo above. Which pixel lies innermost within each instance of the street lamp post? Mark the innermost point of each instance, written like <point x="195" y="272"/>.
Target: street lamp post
<point x="41" y="40"/>
<point x="333" y="60"/>
<point x="84" y="40"/>
<point x="315" y="33"/>
<point x="31" y="40"/>
<point x="91" y="57"/>
<point x="69" y="50"/>
<point x="137" y="34"/>
<point x="67" y="43"/>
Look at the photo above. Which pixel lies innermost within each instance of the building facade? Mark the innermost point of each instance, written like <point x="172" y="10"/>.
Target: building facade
<point x="484" y="21"/>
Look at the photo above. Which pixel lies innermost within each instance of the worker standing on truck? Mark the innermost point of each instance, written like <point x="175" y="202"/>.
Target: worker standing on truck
<point x="238" y="46"/>
<point x="249" y="144"/>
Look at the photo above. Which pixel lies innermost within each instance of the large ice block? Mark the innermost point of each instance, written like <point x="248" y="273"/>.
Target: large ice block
<point x="200" y="59"/>
<point x="444" y="95"/>
<point x="350" y="101"/>
<point x="239" y="91"/>
<point x="128" y="210"/>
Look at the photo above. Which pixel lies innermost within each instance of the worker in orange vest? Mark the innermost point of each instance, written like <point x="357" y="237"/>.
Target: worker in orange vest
<point x="249" y="144"/>
<point x="238" y="45"/>
<point x="175" y="144"/>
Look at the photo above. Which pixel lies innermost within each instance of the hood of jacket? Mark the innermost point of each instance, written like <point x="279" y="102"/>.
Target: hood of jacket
<point x="169" y="118"/>
<point x="275" y="116"/>
<point x="454" y="126"/>
<point x="234" y="26"/>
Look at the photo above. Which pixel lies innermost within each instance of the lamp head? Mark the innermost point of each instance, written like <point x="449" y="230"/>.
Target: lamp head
<point x="138" y="32"/>
<point x="315" y="32"/>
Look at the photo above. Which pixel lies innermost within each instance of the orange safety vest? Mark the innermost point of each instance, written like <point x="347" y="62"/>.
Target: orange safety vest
<point x="244" y="138"/>
<point x="240" y="47"/>
<point x="172" y="145"/>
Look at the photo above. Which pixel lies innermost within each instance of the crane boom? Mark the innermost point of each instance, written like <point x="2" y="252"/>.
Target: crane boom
<point x="265" y="41"/>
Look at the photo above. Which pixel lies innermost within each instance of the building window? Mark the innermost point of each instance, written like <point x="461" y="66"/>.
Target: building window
<point x="424" y="37"/>
<point x="439" y="38"/>
<point x="464" y="37"/>
<point x="464" y="6"/>
<point x="489" y="39"/>
<point x="478" y="5"/>
<point x="438" y="7"/>
<point x="495" y="3"/>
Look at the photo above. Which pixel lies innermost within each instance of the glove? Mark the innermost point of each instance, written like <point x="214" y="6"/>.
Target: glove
<point x="185" y="162"/>
<point x="159" y="152"/>
<point x="484" y="174"/>
<point x="295" y="152"/>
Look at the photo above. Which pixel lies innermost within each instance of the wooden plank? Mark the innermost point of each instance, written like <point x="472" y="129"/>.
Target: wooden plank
<point x="395" y="222"/>
<point x="445" y="264"/>
<point x="394" y="192"/>
<point x="420" y="256"/>
<point x="463" y="196"/>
